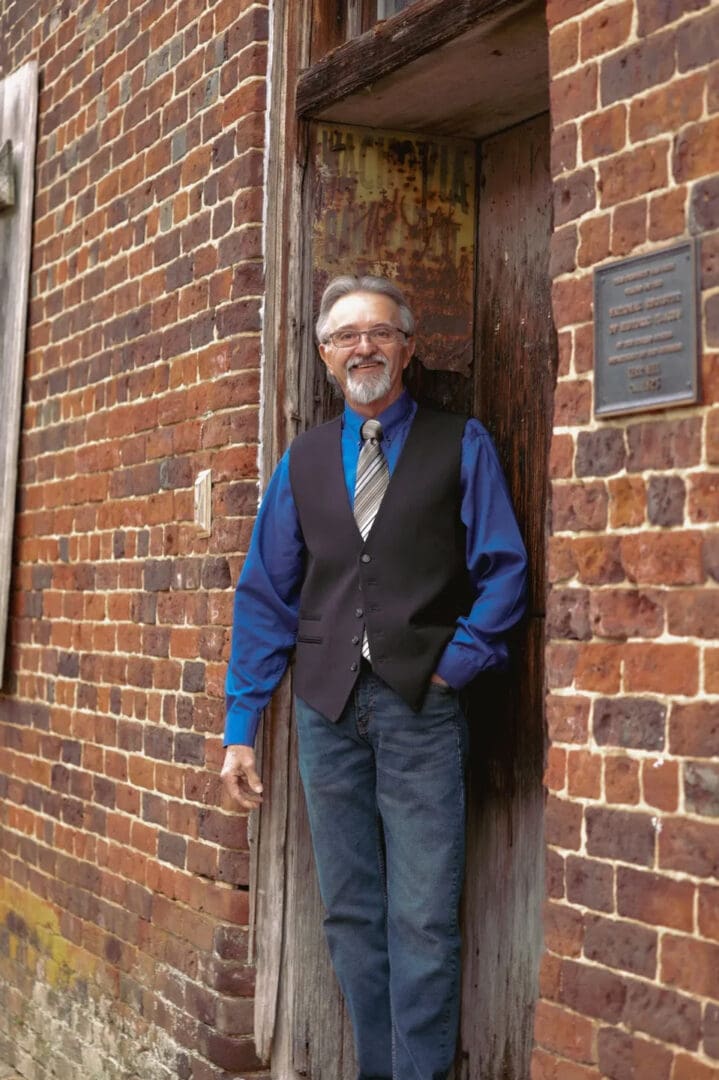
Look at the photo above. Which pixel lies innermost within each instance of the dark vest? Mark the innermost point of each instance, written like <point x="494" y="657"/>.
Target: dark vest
<point x="408" y="582"/>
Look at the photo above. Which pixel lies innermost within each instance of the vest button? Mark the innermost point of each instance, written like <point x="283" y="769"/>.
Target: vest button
<point x="366" y="557"/>
<point x="355" y="640"/>
<point x="353" y="667"/>
<point x="359" y="612"/>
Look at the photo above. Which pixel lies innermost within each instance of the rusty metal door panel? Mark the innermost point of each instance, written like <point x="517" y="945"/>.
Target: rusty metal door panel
<point x="400" y="205"/>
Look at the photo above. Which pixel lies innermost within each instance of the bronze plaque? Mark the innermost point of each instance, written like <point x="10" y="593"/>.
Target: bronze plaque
<point x="401" y="205"/>
<point x="645" y="332"/>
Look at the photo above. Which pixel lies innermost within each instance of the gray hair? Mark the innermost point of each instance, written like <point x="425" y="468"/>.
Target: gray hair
<point x="347" y="284"/>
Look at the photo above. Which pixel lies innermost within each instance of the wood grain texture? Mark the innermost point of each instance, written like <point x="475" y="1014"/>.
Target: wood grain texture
<point x="514" y="380"/>
<point x="18" y="122"/>
<point x="389" y="45"/>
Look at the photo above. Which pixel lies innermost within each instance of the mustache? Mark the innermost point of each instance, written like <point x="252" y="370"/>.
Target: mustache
<point x="356" y="361"/>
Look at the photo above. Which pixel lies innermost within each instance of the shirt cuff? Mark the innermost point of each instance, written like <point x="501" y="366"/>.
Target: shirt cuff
<point x="459" y="665"/>
<point x="241" y="727"/>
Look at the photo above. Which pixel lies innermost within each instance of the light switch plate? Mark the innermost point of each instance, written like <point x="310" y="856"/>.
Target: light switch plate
<point x="203" y="502"/>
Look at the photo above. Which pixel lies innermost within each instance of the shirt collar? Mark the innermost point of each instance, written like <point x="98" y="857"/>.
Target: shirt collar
<point x="391" y="418"/>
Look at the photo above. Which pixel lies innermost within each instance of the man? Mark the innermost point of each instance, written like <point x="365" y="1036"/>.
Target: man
<point x="386" y="551"/>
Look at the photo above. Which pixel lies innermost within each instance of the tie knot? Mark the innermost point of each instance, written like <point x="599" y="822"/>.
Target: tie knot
<point x="372" y="429"/>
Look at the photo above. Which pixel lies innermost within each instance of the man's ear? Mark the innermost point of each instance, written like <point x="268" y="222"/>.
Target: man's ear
<point x="409" y="345"/>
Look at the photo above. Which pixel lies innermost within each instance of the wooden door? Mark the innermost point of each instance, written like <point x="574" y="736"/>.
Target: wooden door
<point x="470" y="245"/>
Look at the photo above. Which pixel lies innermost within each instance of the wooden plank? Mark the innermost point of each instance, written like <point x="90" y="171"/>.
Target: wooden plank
<point x="517" y="351"/>
<point x="7" y="176"/>
<point x="389" y="45"/>
<point x="280" y="333"/>
<point x="18" y="122"/>
<point x="515" y="373"/>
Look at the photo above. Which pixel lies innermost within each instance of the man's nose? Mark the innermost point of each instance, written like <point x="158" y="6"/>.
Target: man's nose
<point x="364" y="345"/>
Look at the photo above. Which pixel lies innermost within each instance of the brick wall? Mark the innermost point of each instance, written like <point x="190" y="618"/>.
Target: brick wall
<point x="630" y="978"/>
<point x="123" y="880"/>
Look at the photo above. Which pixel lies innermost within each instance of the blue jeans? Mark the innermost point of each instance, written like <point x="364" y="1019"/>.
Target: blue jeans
<point x="385" y="794"/>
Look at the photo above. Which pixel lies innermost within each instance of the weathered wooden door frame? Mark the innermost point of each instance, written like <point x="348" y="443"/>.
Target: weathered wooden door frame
<point x="287" y="405"/>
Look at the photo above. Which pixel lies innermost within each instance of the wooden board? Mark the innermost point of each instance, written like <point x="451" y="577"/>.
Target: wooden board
<point x="516" y="361"/>
<point x="18" y="121"/>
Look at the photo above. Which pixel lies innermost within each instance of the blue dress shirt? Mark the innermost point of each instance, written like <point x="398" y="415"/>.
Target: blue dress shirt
<point x="268" y="592"/>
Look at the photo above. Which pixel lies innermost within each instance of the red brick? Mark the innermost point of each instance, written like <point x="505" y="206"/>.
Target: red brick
<point x="574" y="94"/>
<point x="555" y="773"/>
<point x="666" y="109"/>
<point x="598" y="668"/>
<point x="708" y="912"/>
<point x="704" y="497"/>
<point x="690" y="1068"/>
<point x="574" y="196"/>
<point x="663" y="558"/>
<point x="663" y="1014"/>
<point x="584" y="344"/>
<point x="593" y="991"/>
<point x="594" y="237"/>
<point x="711" y="671"/>
<point x="598" y="560"/>
<point x="694" y="729"/>
<point x="647" y="63"/>
<point x="604" y="133"/>
<point x="578" y="507"/>
<point x="629" y="227"/>
<point x="563" y="154"/>
<point x="690" y="965"/>
<point x="568" y="1034"/>
<point x="667" y="214"/>
<point x="696" y="150"/>
<point x="635" y="723"/>
<point x="693" y="613"/>
<point x="689" y="846"/>
<point x="561" y="456"/>
<point x="628" y="836"/>
<point x="572" y="403"/>
<point x="624" y="1057"/>
<point x="563" y="823"/>
<point x="584" y="774"/>
<point x="668" y="669"/>
<point x="627" y="501"/>
<point x="563" y="47"/>
<point x="567" y="718"/>
<point x="572" y="302"/>
<point x="620" y="944"/>
<point x="563" y="929"/>
<point x="623" y="613"/>
<point x="655" y="899"/>
<point x="590" y="883"/>
<point x="636" y="172"/>
<point x="621" y="780"/>
<point x="660" y="784"/>
<point x="604" y="31"/>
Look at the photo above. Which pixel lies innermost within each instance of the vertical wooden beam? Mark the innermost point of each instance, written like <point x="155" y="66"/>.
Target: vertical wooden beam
<point x="18" y="121"/>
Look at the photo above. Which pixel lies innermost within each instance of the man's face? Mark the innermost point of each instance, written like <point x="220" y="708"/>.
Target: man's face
<point x="369" y="373"/>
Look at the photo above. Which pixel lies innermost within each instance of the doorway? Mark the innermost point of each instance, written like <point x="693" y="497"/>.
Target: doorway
<point x="402" y="202"/>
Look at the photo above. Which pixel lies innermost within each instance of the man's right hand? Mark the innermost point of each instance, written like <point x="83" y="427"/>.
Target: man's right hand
<point x="239" y="777"/>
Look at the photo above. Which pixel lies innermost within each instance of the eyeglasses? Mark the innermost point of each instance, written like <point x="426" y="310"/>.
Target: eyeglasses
<point x="377" y="335"/>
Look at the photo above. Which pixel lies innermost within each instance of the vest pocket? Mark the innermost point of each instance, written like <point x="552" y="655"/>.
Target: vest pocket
<point x="307" y="628"/>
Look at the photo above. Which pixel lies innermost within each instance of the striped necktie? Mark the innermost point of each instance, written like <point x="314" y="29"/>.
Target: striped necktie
<point x="370" y="486"/>
<point x="372" y="477"/>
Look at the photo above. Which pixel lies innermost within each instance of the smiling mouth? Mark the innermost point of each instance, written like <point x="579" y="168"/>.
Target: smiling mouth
<point x="370" y="362"/>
